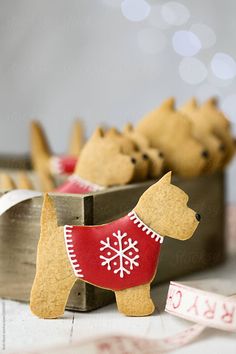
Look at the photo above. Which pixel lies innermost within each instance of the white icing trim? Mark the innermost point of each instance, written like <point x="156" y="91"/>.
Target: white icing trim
<point x="85" y="184"/>
<point x="55" y="165"/>
<point x="140" y="224"/>
<point x="70" y="251"/>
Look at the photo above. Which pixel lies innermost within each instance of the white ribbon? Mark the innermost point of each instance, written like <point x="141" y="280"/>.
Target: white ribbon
<point x="10" y="199"/>
<point x="203" y="307"/>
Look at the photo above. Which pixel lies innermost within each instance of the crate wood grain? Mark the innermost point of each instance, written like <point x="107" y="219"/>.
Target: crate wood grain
<point x="19" y="232"/>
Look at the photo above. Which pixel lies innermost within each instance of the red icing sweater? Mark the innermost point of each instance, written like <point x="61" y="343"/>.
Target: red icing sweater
<point x="63" y="164"/>
<point x="116" y="256"/>
<point x="77" y="185"/>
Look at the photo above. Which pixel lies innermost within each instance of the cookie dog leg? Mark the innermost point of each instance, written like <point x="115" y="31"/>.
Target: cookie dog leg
<point x="54" y="275"/>
<point x="135" y="301"/>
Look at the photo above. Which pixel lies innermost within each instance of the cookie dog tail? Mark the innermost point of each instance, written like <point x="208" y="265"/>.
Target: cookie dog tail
<point x="54" y="276"/>
<point x="48" y="217"/>
<point x="40" y="156"/>
<point x="77" y="139"/>
<point x="39" y="143"/>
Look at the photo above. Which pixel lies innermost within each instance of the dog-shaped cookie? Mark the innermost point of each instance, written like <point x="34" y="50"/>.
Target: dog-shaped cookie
<point x="129" y="147"/>
<point x="154" y="156"/>
<point x="221" y="127"/>
<point x="138" y="138"/>
<point x="121" y="256"/>
<point x="202" y="130"/>
<point x="171" y="132"/>
<point x="101" y="164"/>
<point x="45" y="163"/>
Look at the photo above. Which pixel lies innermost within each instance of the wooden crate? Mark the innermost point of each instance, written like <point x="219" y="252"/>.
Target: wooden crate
<point x="19" y="232"/>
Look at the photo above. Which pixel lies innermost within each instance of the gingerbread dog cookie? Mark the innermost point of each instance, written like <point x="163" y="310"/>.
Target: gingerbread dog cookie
<point x="101" y="164"/>
<point x="45" y="163"/>
<point x="138" y="139"/>
<point x="154" y="156"/>
<point x="221" y="127"/>
<point x="149" y="161"/>
<point x="121" y="256"/>
<point x="171" y="132"/>
<point x="202" y="130"/>
<point x="129" y="147"/>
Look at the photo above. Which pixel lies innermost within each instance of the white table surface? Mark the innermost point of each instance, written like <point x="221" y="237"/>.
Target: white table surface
<point x="20" y="331"/>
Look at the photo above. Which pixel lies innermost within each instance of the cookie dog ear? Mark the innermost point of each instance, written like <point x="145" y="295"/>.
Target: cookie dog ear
<point x="166" y="179"/>
<point x="113" y="132"/>
<point x="128" y="128"/>
<point x="168" y="104"/>
<point x="190" y="105"/>
<point x="98" y="133"/>
<point x="211" y="102"/>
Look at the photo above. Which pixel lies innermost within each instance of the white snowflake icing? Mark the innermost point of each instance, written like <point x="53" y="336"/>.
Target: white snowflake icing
<point x="120" y="254"/>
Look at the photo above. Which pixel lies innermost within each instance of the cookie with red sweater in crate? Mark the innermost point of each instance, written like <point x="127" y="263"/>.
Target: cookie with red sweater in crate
<point x="121" y="256"/>
<point x="111" y="159"/>
<point x="102" y="164"/>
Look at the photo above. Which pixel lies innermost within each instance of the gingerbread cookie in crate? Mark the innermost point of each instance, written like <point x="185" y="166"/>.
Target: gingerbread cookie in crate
<point x="203" y="131"/>
<point x="170" y="131"/>
<point x="129" y="147"/>
<point x="48" y="165"/>
<point x="101" y="164"/>
<point x="221" y="126"/>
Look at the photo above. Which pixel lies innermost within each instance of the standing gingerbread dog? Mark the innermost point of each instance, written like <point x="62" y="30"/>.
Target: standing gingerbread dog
<point x="121" y="256"/>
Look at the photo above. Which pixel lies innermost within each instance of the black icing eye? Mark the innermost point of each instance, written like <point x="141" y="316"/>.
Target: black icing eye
<point x="205" y="154"/>
<point x="160" y="154"/>
<point x="222" y="147"/>
<point x="145" y="157"/>
<point x="198" y="216"/>
<point x="133" y="160"/>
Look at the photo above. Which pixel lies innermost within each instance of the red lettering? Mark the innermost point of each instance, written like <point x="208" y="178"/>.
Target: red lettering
<point x="104" y="347"/>
<point x="177" y="304"/>
<point x="228" y="315"/>
<point x="210" y="312"/>
<point x="194" y="306"/>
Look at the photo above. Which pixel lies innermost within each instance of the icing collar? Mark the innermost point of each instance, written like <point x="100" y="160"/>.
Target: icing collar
<point x="136" y="220"/>
<point x="87" y="185"/>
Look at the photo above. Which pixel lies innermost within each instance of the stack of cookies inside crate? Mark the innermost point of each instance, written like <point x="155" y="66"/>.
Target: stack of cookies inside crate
<point x="191" y="141"/>
<point x="102" y="179"/>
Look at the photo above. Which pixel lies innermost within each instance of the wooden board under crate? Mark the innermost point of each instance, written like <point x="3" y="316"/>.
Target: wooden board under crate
<point x="19" y="232"/>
